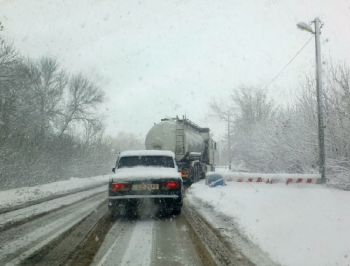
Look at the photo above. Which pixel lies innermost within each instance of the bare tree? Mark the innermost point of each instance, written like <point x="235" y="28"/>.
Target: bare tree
<point x="48" y="84"/>
<point x="83" y="98"/>
<point x="337" y="122"/>
<point x="247" y="109"/>
<point x="13" y="79"/>
<point x="49" y="127"/>
<point x="221" y="111"/>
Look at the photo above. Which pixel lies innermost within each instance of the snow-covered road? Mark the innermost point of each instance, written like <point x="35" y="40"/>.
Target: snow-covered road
<point x="22" y="197"/>
<point x="166" y="241"/>
<point x="147" y="242"/>
<point x="20" y="242"/>
<point x="272" y="224"/>
<point x="23" y="214"/>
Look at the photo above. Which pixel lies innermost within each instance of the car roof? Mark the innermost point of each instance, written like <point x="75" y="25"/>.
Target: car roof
<point x="147" y="153"/>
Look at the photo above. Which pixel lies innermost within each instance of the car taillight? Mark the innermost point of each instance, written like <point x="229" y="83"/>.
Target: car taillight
<point x="185" y="171"/>
<point x="170" y="185"/>
<point x="120" y="186"/>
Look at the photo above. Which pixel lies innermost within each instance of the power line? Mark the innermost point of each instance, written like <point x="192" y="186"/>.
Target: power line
<point x="302" y="48"/>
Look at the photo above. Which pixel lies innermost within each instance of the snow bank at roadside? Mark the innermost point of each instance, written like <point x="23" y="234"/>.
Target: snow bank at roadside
<point x="298" y="224"/>
<point x="17" y="196"/>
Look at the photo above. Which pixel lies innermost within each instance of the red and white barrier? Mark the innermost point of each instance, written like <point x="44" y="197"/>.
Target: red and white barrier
<point x="269" y="178"/>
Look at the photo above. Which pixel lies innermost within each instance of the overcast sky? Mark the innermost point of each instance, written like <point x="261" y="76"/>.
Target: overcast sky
<point x="158" y="58"/>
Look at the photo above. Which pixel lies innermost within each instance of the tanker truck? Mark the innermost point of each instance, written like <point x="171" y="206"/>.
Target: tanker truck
<point x="192" y="145"/>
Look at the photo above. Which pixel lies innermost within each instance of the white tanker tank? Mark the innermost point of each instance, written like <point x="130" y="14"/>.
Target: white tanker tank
<point x="191" y="144"/>
<point x="169" y="135"/>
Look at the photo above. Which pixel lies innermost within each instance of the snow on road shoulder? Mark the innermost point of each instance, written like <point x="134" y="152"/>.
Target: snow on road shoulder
<point x="295" y="224"/>
<point x="17" y="196"/>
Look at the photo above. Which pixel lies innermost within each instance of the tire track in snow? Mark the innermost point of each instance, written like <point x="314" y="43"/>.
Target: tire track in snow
<point x="30" y="238"/>
<point x="173" y="244"/>
<point x="140" y="245"/>
<point x="127" y="243"/>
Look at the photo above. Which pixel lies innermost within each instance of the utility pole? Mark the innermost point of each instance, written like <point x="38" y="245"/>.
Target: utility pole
<point x="228" y="142"/>
<point x="220" y="150"/>
<point x="322" y="155"/>
<point x="321" y="148"/>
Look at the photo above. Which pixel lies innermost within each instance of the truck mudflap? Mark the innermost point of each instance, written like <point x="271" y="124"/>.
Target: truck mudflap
<point x="186" y="178"/>
<point x="184" y="175"/>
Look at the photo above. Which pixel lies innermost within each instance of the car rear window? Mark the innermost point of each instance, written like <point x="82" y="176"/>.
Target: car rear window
<point x="132" y="161"/>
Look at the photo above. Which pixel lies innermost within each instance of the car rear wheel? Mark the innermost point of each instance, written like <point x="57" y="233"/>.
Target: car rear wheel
<point x="176" y="212"/>
<point x="114" y="215"/>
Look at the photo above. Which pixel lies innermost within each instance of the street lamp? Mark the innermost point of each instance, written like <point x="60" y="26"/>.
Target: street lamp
<point x="304" y="26"/>
<point x="322" y="156"/>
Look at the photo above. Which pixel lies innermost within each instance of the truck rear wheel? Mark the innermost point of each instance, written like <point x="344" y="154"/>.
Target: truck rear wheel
<point x="197" y="172"/>
<point x="194" y="174"/>
<point x="191" y="175"/>
<point x="203" y="171"/>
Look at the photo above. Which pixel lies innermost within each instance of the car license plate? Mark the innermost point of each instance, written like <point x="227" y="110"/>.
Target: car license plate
<point x="145" y="186"/>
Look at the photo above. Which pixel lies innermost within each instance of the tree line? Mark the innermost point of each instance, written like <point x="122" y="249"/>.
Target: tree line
<point x="50" y="127"/>
<point x="270" y="138"/>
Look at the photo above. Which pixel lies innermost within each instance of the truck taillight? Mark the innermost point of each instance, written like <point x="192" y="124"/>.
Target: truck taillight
<point x="169" y="185"/>
<point x="120" y="186"/>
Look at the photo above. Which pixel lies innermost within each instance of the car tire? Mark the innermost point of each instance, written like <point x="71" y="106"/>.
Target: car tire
<point x="176" y="212"/>
<point x="113" y="216"/>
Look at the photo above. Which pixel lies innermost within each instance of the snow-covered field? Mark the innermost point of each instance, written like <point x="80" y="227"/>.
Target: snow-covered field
<point x="295" y="224"/>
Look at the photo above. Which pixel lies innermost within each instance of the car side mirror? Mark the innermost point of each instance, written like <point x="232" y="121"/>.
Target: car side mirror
<point x="113" y="169"/>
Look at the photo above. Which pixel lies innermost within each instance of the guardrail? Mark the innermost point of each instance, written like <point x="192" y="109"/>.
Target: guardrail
<point x="221" y="166"/>
<point x="214" y="177"/>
